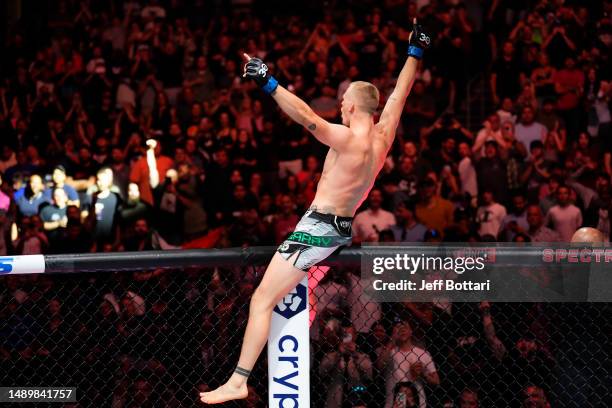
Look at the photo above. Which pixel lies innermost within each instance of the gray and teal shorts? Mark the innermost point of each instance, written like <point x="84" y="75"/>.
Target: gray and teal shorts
<point x="316" y="237"/>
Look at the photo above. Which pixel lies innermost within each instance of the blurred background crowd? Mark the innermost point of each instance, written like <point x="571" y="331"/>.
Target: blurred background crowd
<point x="125" y="125"/>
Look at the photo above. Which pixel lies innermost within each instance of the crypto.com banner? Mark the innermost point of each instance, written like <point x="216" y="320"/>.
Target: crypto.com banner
<point x="501" y="272"/>
<point x="289" y="351"/>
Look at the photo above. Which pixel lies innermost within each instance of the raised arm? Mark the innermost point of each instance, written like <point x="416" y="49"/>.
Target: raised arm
<point x="392" y="111"/>
<point x="330" y="134"/>
<point x="334" y="136"/>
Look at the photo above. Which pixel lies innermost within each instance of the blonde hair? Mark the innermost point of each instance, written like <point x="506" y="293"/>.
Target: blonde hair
<point x="367" y="96"/>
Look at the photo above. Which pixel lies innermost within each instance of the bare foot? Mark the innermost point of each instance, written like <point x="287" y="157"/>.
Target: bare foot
<point x="227" y="392"/>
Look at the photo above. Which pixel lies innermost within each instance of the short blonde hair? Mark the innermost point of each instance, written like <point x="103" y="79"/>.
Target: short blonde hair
<point x="367" y="96"/>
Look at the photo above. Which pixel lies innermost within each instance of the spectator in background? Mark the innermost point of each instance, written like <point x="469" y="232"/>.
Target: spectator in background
<point x="345" y="368"/>
<point x="536" y="170"/>
<point x="59" y="181"/>
<point x="401" y="360"/>
<point x="492" y="172"/>
<point x="368" y="223"/>
<point x="490" y="215"/>
<point x="140" y="237"/>
<point x="569" y="83"/>
<point x="147" y="171"/>
<point x="293" y="138"/>
<point x="491" y="131"/>
<point x="54" y="215"/>
<point x="5" y="199"/>
<point x="548" y="193"/>
<point x="326" y="105"/>
<point x="534" y="397"/>
<point x="467" y="172"/>
<point x="31" y="239"/>
<point x="516" y="221"/>
<point x="30" y="198"/>
<point x="104" y="208"/>
<point x="432" y="210"/>
<point x="188" y="188"/>
<point x="468" y="399"/>
<point x="200" y="80"/>
<point x="5" y="233"/>
<point x="565" y="217"/>
<point x="506" y="111"/>
<point x="405" y="395"/>
<point x="248" y="229"/>
<point x="407" y="229"/>
<point x="133" y="208"/>
<point x="8" y="158"/>
<point x="543" y="77"/>
<point x="401" y="182"/>
<point x="538" y="232"/>
<point x="419" y="111"/>
<point x="121" y="171"/>
<point x="284" y="222"/>
<point x="506" y="75"/>
<point x="528" y="130"/>
<point x="73" y="239"/>
<point x="597" y="214"/>
<point x="549" y="117"/>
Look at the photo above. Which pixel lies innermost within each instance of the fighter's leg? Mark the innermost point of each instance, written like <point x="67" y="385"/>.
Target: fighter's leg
<point x="280" y="277"/>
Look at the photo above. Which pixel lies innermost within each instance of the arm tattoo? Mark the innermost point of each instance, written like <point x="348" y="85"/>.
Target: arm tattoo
<point x="312" y="127"/>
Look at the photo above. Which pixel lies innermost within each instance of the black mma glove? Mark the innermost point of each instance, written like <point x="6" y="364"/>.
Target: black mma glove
<point x="419" y="41"/>
<point x="256" y="70"/>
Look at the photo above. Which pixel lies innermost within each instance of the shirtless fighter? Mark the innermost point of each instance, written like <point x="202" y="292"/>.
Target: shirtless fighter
<point x="357" y="151"/>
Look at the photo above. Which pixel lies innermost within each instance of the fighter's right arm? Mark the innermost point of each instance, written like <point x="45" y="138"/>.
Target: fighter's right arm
<point x="332" y="135"/>
<point x="392" y="111"/>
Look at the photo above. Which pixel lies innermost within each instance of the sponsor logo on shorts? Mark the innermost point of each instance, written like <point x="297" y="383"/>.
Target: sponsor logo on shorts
<point x="293" y="303"/>
<point x="306" y="238"/>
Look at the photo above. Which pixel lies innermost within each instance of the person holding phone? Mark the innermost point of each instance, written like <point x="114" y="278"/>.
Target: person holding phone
<point x="345" y="367"/>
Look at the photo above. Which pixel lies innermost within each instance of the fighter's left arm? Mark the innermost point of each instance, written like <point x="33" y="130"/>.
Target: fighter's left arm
<point x="389" y="119"/>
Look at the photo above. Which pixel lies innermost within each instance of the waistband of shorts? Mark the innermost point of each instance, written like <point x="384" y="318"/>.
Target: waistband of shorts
<point x="329" y="218"/>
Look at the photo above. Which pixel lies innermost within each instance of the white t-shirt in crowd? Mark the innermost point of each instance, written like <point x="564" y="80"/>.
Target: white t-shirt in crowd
<point x="564" y="220"/>
<point x="528" y="133"/>
<point x="400" y="372"/>
<point x="368" y="223"/>
<point x="490" y="218"/>
<point x="467" y="176"/>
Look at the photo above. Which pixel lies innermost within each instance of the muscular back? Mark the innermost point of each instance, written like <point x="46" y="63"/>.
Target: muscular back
<point x="349" y="175"/>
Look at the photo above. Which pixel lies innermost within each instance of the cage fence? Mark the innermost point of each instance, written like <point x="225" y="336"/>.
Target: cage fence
<point x="157" y="337"/>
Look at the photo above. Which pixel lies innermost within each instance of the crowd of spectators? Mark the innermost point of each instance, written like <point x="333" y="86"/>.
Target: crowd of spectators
<point x="125" y="125"/>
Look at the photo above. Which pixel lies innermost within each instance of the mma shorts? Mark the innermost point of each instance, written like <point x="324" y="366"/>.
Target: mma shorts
<point x="316" y="237"/>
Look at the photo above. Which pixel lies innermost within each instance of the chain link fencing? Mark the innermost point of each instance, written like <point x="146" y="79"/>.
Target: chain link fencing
<point x="156" y="338"/>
